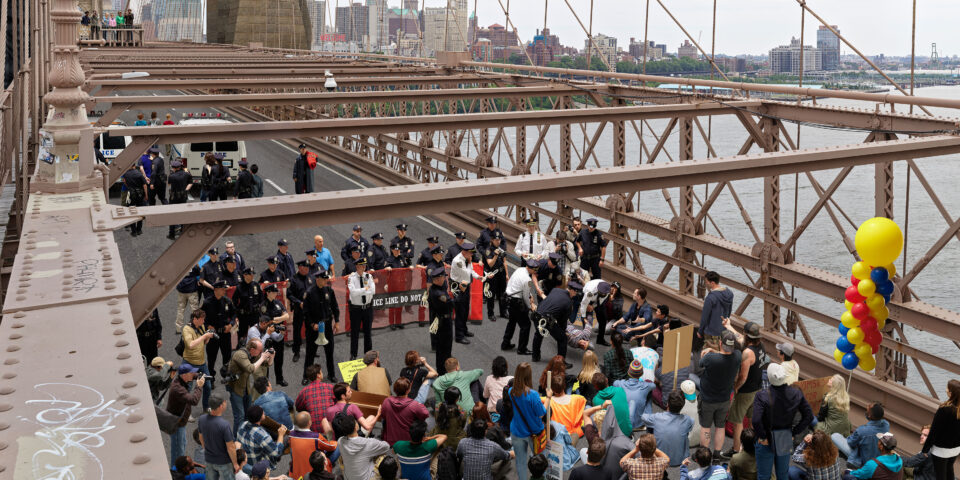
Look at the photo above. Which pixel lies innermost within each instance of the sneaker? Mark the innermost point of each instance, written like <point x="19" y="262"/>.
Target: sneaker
<point x="400" y="326"/>
<point x="729" y="453"/>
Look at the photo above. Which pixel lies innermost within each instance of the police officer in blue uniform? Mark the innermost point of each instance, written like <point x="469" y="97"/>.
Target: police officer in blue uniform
<point x="320" y="308"/>
<point x="158" y="178"/>
<point x="425" y="254"/>
<point x="296" y="290"/>
<point x="378" y="254"/>
<point x="285" y="260"/>
<point x="245" y="181"/>
<point x="397" y="259"/>
<point x="405" y="243"/>
<point x="248" y="297"/>
<point x="273" y="308"/>
<point x="350" y="264"/>
<point x="555" y="309"/>
<point x="180" y="183"/>
<point x="221" y="318"/>
<point x="355" y="240"/>
<point x="272" y="274"/>
<point x="483" y="241"/>
<point x="209" y="273"/>
<point x="495" y="289"/>
<point x="313" y="267"/>
<point x="441" y="314"/>
<point x="456" y="248"/>
<point x="592" y="248"/>
<point x="549" y="274"/>
<point x="136" y="185"/>
<point x="229" y="272"/>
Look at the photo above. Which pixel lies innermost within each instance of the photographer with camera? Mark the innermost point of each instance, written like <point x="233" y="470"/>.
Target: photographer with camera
<point x="267" y="331"/>
<point x="183" y="397"/>
<point x="220" y="319"/>
<point x="280" y="318"/>
<point x="494" y="262"/>
<point x="194" y="339"/>
<point x="321" y="317"/>
<point x="245" y="367"/>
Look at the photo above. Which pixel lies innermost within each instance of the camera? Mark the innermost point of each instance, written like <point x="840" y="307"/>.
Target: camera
<point x="279" y="328"/>
<point x="214" y="334"/>
<point x="498" y="251"/>
<point x="231" y="378"/>
<point x="208" y="377"/>
<point x="271" y="351"/>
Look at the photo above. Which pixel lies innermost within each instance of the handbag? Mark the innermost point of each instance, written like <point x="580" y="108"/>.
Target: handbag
<point x="538" y="440"/>
<point x="782" y="439"/>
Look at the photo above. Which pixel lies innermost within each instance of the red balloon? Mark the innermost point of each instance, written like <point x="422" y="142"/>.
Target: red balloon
<point x="875" y="348"/>
<point x="860" y="310"/>
<point x="872" y="337"/>
<point x="853" y="295"/>
<point x="854" y="280"/>
<point x="868" y="324"/>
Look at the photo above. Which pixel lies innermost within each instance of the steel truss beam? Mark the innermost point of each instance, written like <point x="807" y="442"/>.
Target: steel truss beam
<point x="116" y="85"/>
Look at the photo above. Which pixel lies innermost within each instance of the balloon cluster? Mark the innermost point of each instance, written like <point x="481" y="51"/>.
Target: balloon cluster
<point x="879" y="242"/>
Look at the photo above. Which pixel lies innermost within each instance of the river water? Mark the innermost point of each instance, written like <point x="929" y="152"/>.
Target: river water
<point x="820" y="245"/>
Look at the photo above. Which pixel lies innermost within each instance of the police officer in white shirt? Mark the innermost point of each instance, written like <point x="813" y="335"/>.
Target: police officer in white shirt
<point x="519" y="302"/>
<point x="461" y="275"/>
<point x="532" y="243"/>
<point x="361" y="286"/>
<point x="595" y="292"/>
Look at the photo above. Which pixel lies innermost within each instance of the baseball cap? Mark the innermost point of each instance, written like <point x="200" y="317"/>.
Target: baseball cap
<point x="888" y="440"/>
<point x="157" y="362"/>
<point x="186" y="368"/>
<point x="786" y="348"/>
<point x="776" y="374"/>
<point x="689" y="389"/>
<point x="751" y="330"/>
<point x="728" y="341"/>
<point x="260" y="469"/>
<point x="636" y="369"/>
<point x="370" y="357"/>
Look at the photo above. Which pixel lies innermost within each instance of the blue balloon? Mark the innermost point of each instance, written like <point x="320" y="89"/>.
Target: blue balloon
<point x="885" y="288"/>
<point x="879" y="275"/>
<point x="850" y="361"/>
<point x="886" y="298"/>
<point x="844" y="345"/>
<point x="843" y="331"/>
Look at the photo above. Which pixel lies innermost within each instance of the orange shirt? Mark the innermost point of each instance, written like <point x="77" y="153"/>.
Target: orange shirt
<point x="569" y="415"/>
<point x="300" y="450"/>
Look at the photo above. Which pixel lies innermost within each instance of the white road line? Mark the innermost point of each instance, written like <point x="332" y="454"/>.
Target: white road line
<point x="425" y="219"/>
<point x="275" y="186"/>
<point x="154" y="94"/>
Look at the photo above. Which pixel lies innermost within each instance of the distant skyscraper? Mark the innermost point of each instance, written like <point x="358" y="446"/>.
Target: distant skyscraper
<point x="318" y="17"/>
<point x="786" y="58"/>
<point x="411" y="4"/>
<point x="687" y="50"/>
<point x="829" y="46"/>
<point x="180" y="20"/>
<point x="446" y="32"/>
<point x="354" y="22"/>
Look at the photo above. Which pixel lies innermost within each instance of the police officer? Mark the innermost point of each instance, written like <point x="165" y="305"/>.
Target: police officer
<point x="405" y="243"/>
<point x="313" y="267"/>
<point x="356" y="240"/>
<point x="532" y="243"/>
<point x="425" y="254"/>
<point x="397" y="259"/>
<point x="136" y="185"/>
<point x="462" y="275"/>
<point x="379" y="254"/>
<point x="296" y="290"/>
<point x="180" y="183"/>
<point x="229" y="272"/>
<point x="361" y="287"/>
<point x="494" y="290"/>
<point x="350" y="264"/>
<point x="555" y="309"/>
<point x="220" y="177"/>
<point x="273" y="309"/>
<point x="483" y="241"/>
<point x="548" y="275"/>
<point x="158" y="178"/>
<point x="245" y="181"/>
<point x="520" y="295"/>
<point x="592" y="248"/>
<point x="455" y="249"/>
<point x="285" y="260"/>
<point x="210" y="273"/>
<point x="397" y="281"/>
<point x="441" y="319"/>
<point x="248" y="296"/>
<point x="221" y="318"/>
<point x="436" y="258"/>
<point x="321" y="313"/>
<point x="272" y="274"/>
<point x="595" y="293"/>
<point x="149" y="335"/>
<point x="302" y="174"/>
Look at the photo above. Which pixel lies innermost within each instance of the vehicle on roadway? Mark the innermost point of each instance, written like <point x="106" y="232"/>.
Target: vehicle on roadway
<point x="232" y="151"/>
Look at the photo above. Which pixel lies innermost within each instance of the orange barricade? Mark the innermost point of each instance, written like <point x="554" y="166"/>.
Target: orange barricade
<point x="397" y="299"/>
<point x="476" y="296"/>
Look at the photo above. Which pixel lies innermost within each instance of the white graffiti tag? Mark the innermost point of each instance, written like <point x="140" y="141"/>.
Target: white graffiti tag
<point x="70" y="427"/>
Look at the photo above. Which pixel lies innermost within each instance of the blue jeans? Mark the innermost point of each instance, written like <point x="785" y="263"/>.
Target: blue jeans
<point x="220" y="472"/>
<point x="205" y="399"/>
<point x="841" y="442"/>
<point x="523" y="448"/>
<point x="178" y="444"/>
<point x="797" y="473"/>
<point x="239" y="405"/>
<point x="425" y="390"/>
<point x="767" y="460"/>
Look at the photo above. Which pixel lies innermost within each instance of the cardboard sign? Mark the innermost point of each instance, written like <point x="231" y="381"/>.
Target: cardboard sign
<point x="676" y="348"/>
<point x="554" y="454"/>
<point x="813" y="390"/>
<point x="350" y="368"/>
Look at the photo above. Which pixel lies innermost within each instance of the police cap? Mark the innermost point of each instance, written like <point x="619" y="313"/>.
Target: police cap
<point x="176" y="164"/>
<point x="322" y="275"/>
<point x="575" y="286"/>
<point x="592" y="222"/>
<point x="153" y="150"/>
<point x="529" y="221"/>
<point x="438" y="272"/>
<point x="491" y="219"/>
<point x="554" y="256"/>
<point x="248" y="271"/>
<point x="272" y="259"/>
<point x="243" y="162"/>
<point x="467" y="246"/>
<point x="394" y="246"/>
<point x="271" y="288"/>
<point x="301" y="146"/>
<point x="219" y="284"/>
<point x="436" y="250"/>
<point x="353" y="248"/>
<point x="282" y="242"/>
<point x="357" y="228"/>
<point x="212" y="251"/>
<point x="460" y="235"/>
<point x="533" y="263"/>
<point x="310" y="252"/>
<point x="433" y="239"/>
<point x="402" y="226"/>
<point x="361" y="261"/>
<point x="603" y="288"/>
<point x="377" y="236"/>
<point x="228" y="259"/>
<point x="302" y="263"/>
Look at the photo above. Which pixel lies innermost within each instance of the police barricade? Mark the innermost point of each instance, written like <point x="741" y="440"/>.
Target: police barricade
<point x="398" y="298"/>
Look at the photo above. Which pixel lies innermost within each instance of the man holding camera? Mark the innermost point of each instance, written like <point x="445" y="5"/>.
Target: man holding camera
<point x="321" y="316"/>
<point x="195" y="339"/>
<point x="245" y="367"/>
<point x="182" y="397"/>
<point x="493" y="261"/>
<point x="278" y="318"/>
<point x="220" y="318"/>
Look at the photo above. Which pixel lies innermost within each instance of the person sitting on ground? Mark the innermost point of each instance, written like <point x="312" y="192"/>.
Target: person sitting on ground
<point x="276" y="404"/>
<point x="318" y="468"/>
<point x="557" y="367"/>
<point x="450" y="419"/>
<point x="702" y="458"/>
<point x="459" y="379"/>
<point x="617" y="397"/>
<point x="651" y="464"/>
<point x="341" y="395"/>
<point x="420" y="374"/>
<point x="886" y="465"/>
<point x="743" y="464"/>
<point x="304" y="442"/>
<point x="536" y="466"/>
<point x="399" y="412"/>
<point x="373" y="378"/>
<point x="388" y="468"/>
<point x="590" y="366"/>
<point x="566" y="410"/>
<point x="637" y="391"/>
<point x="493" y="385"/>
<point x="256" y="441"/>
<point x="638" y="320"/>
<point x="184" y="468"/>
<point x="358" y="453"/>
<point x="261" y="471"/>
<point x="616" y="360"/>
<point x="861" y="445"/>
<point x="834" y="414"/>
<point x="920" y="466"/>
<point x="241" y="462"/>
<point x="785" y="352"/>
<point x="671" y="429"/>
<point x="592" y="469"/>
<point x="816" y="457"/>
<point x="483" y="459"/>
<point x="494" y="432"/>
<point x="415" y="454"/>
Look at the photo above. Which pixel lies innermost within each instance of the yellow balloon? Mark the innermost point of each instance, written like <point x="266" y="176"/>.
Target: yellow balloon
<point x="849" y="321"/>
<point x="881" y="313"/>
<point x="874" y="301"/>
<point x="881" y="322"/>
<point x="891" y="270"/>
<point x="868" y="363"/>
<point x="855" y="335"/>
<point x="863" y="350"/>
<point x="838" y="355"/>
<point x="847" y="305"/>
<point x="860" y="270"/>
<point x="867" y="288"/>
<point x="879" y="241"/>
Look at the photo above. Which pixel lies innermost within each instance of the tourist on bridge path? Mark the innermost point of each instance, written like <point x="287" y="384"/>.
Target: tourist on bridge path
<point x="716" y="307"/>
<point x="774" y="411"/>
<point x="302" y="173"/>
<point x="943" y="442"/>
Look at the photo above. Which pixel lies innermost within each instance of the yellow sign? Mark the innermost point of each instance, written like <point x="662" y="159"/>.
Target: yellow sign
<point x="349" y="369"/>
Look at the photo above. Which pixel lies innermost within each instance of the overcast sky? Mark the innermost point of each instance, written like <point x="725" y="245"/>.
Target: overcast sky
<point x="743" y="26"/>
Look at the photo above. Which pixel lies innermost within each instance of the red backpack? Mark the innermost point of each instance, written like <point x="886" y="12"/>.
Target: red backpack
<point x="311" y="160"/>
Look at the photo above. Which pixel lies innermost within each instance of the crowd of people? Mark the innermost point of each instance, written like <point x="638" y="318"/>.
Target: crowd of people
<point x="620" y="415"/>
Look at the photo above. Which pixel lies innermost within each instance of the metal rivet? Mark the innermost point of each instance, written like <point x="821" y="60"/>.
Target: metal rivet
<point x="19" y="315"/>
<point x="114" y="311"/>
<point x="131" y="401"/>
<point x="5" y="406"/>
<point x="121" y="343"/>
<point x="17" y="325"/>
<point x="9" y="375"/>
<point x="141" y="459"/>
<point x="11" y="361"/>
<point x="123" y="356"/>
<point x="3" y="445"/>
<point x="13" y="348"/>
<point x="15" y="336"/>
<point x="116" y="321"/>
<point x="129" y="384"/>
<point x="125" y="370"/>
<point x="21" y="298"/>
<point x="137" y="438"/>
<point x="119" y="331"/>
<point x="67" y="295"/>
<point x="4" y="426"/>
<point x="134" y="418"/>
<point x="6" y="390"/>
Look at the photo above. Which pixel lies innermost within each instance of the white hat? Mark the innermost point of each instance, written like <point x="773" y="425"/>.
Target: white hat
<point x="688" y="387"/>
<point x="776" y="374"/>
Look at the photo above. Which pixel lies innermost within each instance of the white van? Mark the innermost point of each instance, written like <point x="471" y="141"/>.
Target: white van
<point x="232" y="150"/>
<point x="111" y="146"/>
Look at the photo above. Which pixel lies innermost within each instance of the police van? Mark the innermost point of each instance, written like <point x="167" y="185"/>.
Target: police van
<point x="111" y="145"/>
<point x="232" y="151"/>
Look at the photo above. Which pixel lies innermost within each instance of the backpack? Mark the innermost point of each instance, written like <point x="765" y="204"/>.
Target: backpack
<point x="448" y="466"/>
<point x="311" y="160"/>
